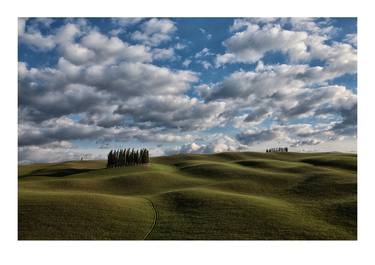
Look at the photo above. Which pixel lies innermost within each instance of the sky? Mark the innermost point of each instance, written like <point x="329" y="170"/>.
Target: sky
<point x="185" y="85"/>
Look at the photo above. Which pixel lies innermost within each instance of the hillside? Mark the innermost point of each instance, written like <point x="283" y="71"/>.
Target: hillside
<point x="219" y="196"/>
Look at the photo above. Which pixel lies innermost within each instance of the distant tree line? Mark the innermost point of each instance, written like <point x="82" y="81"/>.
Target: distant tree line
<point x="127" y="157"/>
<point x="277" y="149"/>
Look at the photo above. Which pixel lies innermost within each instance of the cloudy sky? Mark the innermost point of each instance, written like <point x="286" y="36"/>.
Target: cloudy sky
<point x="185" y="85"/>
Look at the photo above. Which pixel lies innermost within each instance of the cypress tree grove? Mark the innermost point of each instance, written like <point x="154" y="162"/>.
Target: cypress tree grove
<point x="127" y="157"/>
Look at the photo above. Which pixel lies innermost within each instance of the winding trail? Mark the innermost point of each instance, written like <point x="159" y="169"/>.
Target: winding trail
<point x="155" y="218"/>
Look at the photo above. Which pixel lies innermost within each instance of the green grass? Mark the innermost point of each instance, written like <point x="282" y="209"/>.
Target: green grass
<point x="220" y="196"/>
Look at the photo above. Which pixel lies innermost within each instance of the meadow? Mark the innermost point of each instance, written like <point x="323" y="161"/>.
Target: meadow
<point x="225" y="196"/>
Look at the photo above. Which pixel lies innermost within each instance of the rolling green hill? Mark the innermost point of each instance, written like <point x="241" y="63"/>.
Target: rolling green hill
<point x="227" y="196"/>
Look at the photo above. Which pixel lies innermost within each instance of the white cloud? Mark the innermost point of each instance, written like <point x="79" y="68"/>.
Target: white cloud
<point x="163" y="54"/>
<point x="44" y="21"/>
<point x="77" y="54"/>
<point x="218" y="144"/>
<point x="111" y="49"/>
<point x="294" y="135"/>
<point x="203" y="53"/>
<point x="135" y="79"/>
<point x="270" y="80"/>
<point x="180" y="46"/>
<point x="206" y="65"/>
<point x="204" y="32"/>
<point x="55" y="129"/>
<point x="67" y="33"/>
<point x="127" y="21"/>
<point x="186" y="62"/>
<point x="305" y="142"/>
<point x="48" y="153"/>
<point x="33" y="37"/>
<point x="71" y="70"/>
<point x="305" y="41"/>
<point x="155" y="31"/>
<point x="250" y="45"/>
<point x="311" y="25"/>
<point x="283" y="93"/>
<point x="45" y="93"/>
<point x="242" y="23"/>
<point x="351" y="39"/>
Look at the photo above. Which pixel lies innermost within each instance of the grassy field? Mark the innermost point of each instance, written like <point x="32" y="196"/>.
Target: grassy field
<point x="229" y="196"/>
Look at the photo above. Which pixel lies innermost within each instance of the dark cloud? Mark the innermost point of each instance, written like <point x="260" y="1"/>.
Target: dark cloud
<point x="249" y="138"/>
<point x="56" y="130"/>
<point x="257" y="114"/>
<point x="176" y="112"/>
<point x="305" y="142"/>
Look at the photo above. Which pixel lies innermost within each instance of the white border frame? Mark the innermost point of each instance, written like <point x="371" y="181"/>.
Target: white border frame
<point x="186" y="252"/>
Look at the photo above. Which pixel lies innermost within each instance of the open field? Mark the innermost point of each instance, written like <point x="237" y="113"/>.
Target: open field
<point x="220" y="196"/>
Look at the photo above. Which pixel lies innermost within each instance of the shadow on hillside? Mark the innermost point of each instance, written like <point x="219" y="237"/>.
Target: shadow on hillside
<point x="349" y="164"/>
<point x="56" y="172"/>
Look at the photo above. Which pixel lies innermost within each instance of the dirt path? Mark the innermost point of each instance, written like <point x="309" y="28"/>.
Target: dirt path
<point x="155" y="218"/>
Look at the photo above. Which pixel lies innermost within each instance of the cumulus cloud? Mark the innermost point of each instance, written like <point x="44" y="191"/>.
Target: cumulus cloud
<point x="267" y="81"/>
<point x="177" y="112"/>
<point x="180" y="46"/>
<point x="163" y="54"/>
<point x="47" y="154"/>
<point x="203" y="53"/>
<point x="251" y="137"/>
<point x="186" y="62"/>
<point x="305" y="142"/>
<point x="155" y="31"/>
<point x="306" y="40"/>
<point x="55" y="129"/>
<point x="294" y="135"/>
<point x="351" y="39"/>
<point x="127" y="21"/>
<point x="134" y="79"/>
<point x="112" y="49"/>
<point x="220" y="143"/>
<point x="46" y="93"/>
<point x="257" y="114"/>
<point x="310" y="25"/>
<point x="206" y="65"/>
<point x="282" y="93"/>
<point x="33" y="37"/>
<point x="250" y="45"/>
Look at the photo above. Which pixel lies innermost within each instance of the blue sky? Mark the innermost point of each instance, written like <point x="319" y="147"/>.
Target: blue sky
<point x="199" y="85"/>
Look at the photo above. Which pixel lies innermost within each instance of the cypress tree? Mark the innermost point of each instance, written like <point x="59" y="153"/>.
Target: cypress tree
<point x="112" y="158"/>
<point x="125" y="157"/>
<point x="147" y="158"/>
<point x="117" y="158"/>
<point x="141" y="156"/>
<point x="109" y="159"/>
<point x="132" y="157"/>
<point x="120" y="158"/>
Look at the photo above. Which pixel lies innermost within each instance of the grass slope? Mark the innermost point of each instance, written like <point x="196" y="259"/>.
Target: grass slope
<point x="221" y="196"/>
